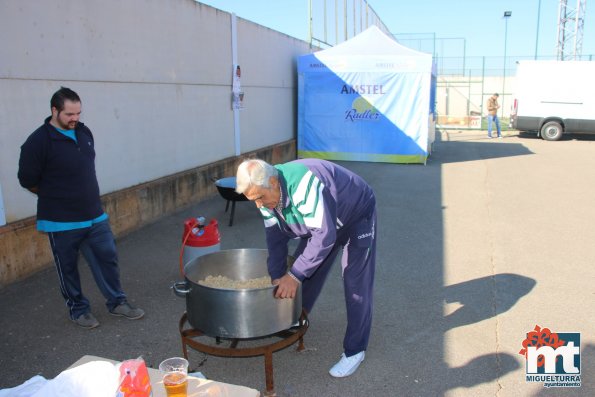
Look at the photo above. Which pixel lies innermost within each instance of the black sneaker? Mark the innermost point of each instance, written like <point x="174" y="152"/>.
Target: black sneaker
<point x="124" y="309"/>
<point x="86" y="320"/>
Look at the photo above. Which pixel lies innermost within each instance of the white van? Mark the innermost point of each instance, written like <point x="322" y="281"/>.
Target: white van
<point x="554" y="97"/>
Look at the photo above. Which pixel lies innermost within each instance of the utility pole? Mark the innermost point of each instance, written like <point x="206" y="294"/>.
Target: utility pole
<point x="507" y="14"/>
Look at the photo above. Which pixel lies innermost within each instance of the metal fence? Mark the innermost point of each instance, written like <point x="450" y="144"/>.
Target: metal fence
<point x="466" y="82"/>
<point x="334" y="21"/>
<point x="452" y="59"/>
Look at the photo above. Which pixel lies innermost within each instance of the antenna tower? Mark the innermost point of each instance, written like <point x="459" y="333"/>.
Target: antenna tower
<point x="571" y="23"/>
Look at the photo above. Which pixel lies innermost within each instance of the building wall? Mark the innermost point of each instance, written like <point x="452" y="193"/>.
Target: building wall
<point x="155" y="79"/>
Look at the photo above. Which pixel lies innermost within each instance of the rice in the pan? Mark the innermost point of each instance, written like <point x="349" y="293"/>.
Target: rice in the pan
<point x="227" y="283"/>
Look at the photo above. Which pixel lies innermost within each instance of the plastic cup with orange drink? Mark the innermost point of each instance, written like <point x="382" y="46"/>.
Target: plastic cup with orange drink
<point x="175" y="376"/>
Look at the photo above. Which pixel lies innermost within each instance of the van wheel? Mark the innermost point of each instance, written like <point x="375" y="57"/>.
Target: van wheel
<point x="551" y="131"/>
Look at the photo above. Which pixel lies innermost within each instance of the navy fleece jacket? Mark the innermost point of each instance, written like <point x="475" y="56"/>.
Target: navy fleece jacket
<point x="63" y="172"/>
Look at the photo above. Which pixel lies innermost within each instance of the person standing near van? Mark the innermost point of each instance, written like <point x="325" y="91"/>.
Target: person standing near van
<point x="493" y="107"/>
<point x="57" y="164"/>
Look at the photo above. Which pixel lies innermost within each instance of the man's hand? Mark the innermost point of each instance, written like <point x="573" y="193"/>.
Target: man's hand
<point x="286" y="287"/>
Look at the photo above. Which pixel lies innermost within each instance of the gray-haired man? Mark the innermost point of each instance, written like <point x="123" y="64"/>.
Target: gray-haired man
<point x="328" y="208"/>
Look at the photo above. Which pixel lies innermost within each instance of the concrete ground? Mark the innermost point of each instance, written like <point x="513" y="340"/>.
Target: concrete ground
<point x="476" y="248"/>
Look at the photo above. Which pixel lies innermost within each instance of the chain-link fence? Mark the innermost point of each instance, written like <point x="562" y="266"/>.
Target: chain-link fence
<point x="466" y="82"/>
<point x="334" y="21"/>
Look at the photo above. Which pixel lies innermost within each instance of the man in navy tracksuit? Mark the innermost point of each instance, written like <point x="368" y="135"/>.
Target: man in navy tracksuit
<point x="57" y="163"/>
<point x="330" y="209"/>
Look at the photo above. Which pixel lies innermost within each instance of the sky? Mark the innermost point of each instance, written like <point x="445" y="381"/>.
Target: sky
<point x="461" y="27"/>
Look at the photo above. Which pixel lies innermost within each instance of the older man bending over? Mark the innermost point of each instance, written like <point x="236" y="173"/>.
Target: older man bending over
<point x="328" y="208"/>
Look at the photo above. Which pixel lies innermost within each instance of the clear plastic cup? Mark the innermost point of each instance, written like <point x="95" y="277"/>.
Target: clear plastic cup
<point x="175" y="376"/>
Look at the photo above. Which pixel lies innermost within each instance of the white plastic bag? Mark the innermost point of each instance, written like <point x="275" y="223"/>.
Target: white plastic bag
<point x="93" y="379"/>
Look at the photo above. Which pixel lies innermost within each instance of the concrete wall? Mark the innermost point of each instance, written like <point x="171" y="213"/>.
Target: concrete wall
<point x="155" y="81"/>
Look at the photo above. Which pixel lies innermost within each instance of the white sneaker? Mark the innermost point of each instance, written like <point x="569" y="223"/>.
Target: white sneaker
<point x="347" y="365"/>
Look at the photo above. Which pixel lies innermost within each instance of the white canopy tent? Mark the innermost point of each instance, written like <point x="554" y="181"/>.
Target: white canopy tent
<point x="367" y="99"/>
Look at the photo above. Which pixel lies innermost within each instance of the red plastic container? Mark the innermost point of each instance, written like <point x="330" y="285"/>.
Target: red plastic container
<point x="200" y="240"/>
